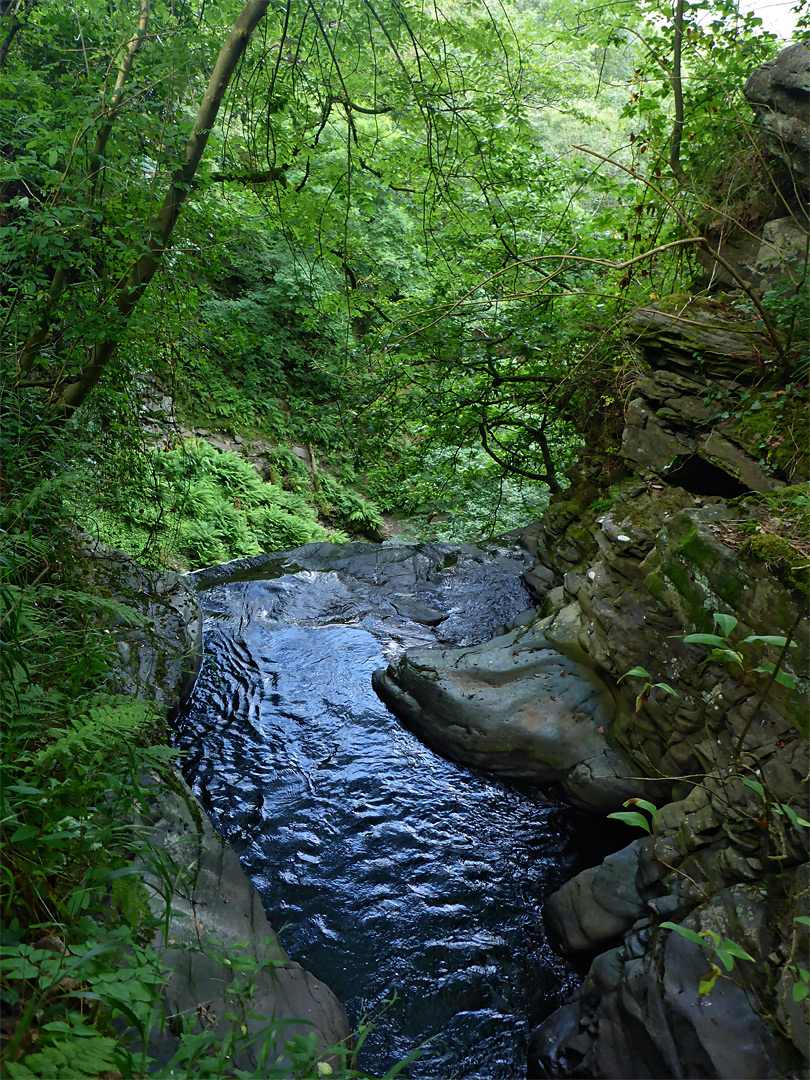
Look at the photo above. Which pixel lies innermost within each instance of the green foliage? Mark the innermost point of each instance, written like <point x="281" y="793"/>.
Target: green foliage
<point x="642" y="673"/>
<point x="724" y="950"/>
<point x="775" y="528"/>
<point x="205" y="506"/>
<point x="632" y="817"/>
<point x="723" y="652"/>
<point x="780" y="808"/>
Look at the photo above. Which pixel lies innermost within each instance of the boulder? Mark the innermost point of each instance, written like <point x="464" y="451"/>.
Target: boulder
<point x="216" y="933"/>
<point x="763" y="260"/>
<point x="522" y="706"/>
<point x="157" y="627"/>
<point x="779" y="94"/>
<point x="639" y="1014"/>
<point x="594" y="910"/>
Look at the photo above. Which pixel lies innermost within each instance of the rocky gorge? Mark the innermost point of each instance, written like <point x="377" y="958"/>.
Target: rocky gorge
<point x="691" y="523"/>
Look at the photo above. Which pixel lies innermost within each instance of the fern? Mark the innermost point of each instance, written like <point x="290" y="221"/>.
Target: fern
<point x="102" y="728"/>
<point x="237" y="477"/>
<point x="68" y="1059"/>
<point x="105" y="605"/>
<point x="202" y="545"/>
<point x="198" y="500"/>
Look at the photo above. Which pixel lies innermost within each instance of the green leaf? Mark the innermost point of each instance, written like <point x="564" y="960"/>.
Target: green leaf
<point x="706" y="985"/>
<point x="779" y="676"/>
<point x="800" y="991"/>
<point x="754" y="785"/>
<point x="770" y="639"/>
<point x="733" y="949"/>
<point x="794" y="819"/>
<point x="637" y="672"/>
<point x="630" y="818"/>
<point x="726" y="656"/>
<point x="690" y="935"/>
<point x="803" y="919"/>
<point x="704" y="639"/>
<point x="666" y="688"/>
<point x="651" y="808"/>
<point x="727" y="623"/>
<point x="25" y="832"/>
<point x="725" y="957"/>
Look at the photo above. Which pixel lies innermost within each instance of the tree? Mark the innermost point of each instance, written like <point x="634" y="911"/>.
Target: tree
<point x="122" y="295"/>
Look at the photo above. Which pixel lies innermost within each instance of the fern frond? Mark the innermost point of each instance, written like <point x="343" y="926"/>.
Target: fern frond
<point x="101" y="729"/>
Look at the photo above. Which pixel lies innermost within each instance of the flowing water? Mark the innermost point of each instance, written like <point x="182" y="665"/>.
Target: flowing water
<point x="386" y="869"/>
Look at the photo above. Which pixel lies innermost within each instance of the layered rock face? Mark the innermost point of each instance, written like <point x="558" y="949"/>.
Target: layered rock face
<point x="778" y="93"/>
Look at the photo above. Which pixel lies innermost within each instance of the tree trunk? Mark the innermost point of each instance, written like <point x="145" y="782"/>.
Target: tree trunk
<point x="677" y="92"/>
<point x="131" y="288"/>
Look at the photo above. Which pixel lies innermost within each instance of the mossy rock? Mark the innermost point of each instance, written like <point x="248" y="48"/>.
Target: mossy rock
<point x="708" y="335"/>
<point x="699" y="574"/>
<point x="776" y="531"/>
<point x="772" y="426"/>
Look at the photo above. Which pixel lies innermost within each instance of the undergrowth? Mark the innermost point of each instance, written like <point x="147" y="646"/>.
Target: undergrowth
<point x="776" y="530"/>
<point x="193" y="505"/>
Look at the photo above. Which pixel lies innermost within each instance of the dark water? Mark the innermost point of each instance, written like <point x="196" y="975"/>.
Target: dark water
<point x="385" y="868"/>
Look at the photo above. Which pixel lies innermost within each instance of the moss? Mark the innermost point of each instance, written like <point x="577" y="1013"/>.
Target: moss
<point x="772" y="426"/>
<point x="676" y="575"/>
<point x="644" y="512"/>
<point x="779" y="556"/>
<point x="693" y="548"/>
<point x="655" y="585"/>
<point x="776" y="531"/>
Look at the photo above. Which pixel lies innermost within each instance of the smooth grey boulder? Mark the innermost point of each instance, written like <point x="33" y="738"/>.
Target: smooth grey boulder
<point x="595" y="909"/>
<point x="520" y="707"/>
<point x="217" y="924"/>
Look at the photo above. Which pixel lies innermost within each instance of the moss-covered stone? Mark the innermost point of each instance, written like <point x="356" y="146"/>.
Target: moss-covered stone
<point x="772" y="426"/>
<point x="778" y="555"/>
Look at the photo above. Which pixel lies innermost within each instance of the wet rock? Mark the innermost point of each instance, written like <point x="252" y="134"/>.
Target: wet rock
<point x="413" y="608"/>
<point x="160" y="643"/>
<point x="599" y="906"/>
<point x="518" y="707"/>
<point x="216" y="925"/>
<point x="640" y="1014"/>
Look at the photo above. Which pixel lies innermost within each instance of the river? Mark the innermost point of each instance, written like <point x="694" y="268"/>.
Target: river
<point x="392" y="874"/>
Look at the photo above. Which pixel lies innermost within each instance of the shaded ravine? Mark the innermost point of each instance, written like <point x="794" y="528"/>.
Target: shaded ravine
<point x="384" y="867"/>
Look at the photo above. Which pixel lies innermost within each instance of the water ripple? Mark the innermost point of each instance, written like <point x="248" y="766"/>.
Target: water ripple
<point x="392" y="869"/>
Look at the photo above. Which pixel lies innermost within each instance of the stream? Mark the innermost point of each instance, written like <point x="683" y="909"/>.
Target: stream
<point x="387" y="871"/>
